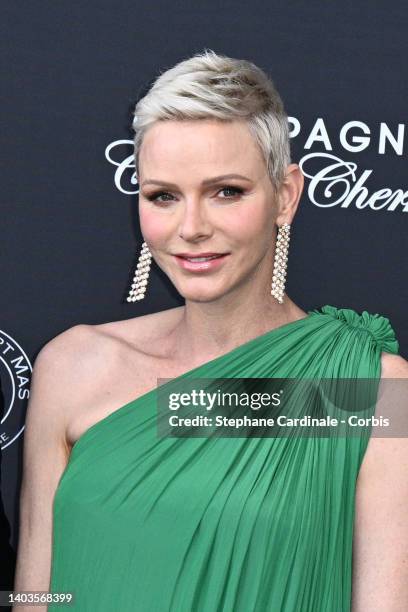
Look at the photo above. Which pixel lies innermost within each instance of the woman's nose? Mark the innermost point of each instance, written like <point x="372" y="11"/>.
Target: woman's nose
<point x="194" y="222"/>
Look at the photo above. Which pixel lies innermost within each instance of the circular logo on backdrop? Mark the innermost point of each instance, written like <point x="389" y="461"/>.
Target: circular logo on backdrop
<point x="15" y="377"/>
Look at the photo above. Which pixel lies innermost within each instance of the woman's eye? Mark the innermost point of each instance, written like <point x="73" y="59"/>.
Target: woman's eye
<point x="155" y="196"/>
<point x="231" y="191"/>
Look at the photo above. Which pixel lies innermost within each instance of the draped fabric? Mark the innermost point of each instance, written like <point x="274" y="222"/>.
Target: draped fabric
<point x="150" y="524"/>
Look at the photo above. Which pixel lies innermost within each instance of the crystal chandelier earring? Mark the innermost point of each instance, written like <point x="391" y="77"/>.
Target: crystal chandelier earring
<point x="139" y="283"/>
<point x="280" y="262"/>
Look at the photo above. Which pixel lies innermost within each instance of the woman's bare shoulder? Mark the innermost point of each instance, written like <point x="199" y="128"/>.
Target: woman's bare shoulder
<point x="89" y="370"/>
<point x="85" y="350"/>
<point x="84" y="344"/>
<point x="393" y="366"/>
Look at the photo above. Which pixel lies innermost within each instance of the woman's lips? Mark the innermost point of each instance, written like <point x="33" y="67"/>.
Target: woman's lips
<point x="200" y="266"/>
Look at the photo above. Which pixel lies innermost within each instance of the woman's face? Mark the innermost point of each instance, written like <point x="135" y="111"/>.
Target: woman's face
<point x="186" y="207"/>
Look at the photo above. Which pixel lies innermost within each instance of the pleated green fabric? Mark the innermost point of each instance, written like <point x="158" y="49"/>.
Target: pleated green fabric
<point x="150" y="524"/>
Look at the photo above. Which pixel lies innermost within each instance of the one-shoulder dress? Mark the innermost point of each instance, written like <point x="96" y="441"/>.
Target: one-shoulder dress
<point x="143" y="523"/>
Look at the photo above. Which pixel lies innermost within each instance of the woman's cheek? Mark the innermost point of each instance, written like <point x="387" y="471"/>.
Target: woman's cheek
<point x="246" y="223"/>
<point x="153" y="227"/>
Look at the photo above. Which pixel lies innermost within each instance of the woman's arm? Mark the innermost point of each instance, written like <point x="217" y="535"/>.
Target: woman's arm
<point x="380" y="546"/>
<point x="45" y="456"/>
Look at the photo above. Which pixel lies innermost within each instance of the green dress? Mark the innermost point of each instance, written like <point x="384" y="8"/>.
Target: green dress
<point x="143" y="523"/>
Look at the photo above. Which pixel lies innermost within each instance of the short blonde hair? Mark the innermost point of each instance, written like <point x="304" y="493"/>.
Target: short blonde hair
<point x="209" y="85"/>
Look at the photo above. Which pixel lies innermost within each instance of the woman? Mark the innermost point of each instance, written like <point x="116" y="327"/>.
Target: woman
<point x="147" y="523"/>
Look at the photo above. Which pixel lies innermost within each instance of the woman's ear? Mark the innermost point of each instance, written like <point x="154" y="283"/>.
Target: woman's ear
<point x="289" y="194"/>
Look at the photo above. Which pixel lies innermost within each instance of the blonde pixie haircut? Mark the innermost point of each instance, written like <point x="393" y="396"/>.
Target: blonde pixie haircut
<point x="213" y="86"/>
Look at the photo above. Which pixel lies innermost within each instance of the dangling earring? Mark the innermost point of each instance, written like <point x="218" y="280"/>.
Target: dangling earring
<point x="280" y="262"/>
<point x="141" y="276"/>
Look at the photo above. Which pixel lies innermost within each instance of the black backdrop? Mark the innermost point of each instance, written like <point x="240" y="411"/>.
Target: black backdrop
<point x="71" y="73"/>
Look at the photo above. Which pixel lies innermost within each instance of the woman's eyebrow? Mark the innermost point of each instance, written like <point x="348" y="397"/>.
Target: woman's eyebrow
<point x="209" y="181"/>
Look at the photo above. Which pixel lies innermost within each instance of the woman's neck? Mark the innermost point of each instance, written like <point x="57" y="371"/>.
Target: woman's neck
<point x="208" y="329"/>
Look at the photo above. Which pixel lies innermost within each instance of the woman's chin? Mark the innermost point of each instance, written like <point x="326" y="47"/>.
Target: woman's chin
<point x="201" y="295"/>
